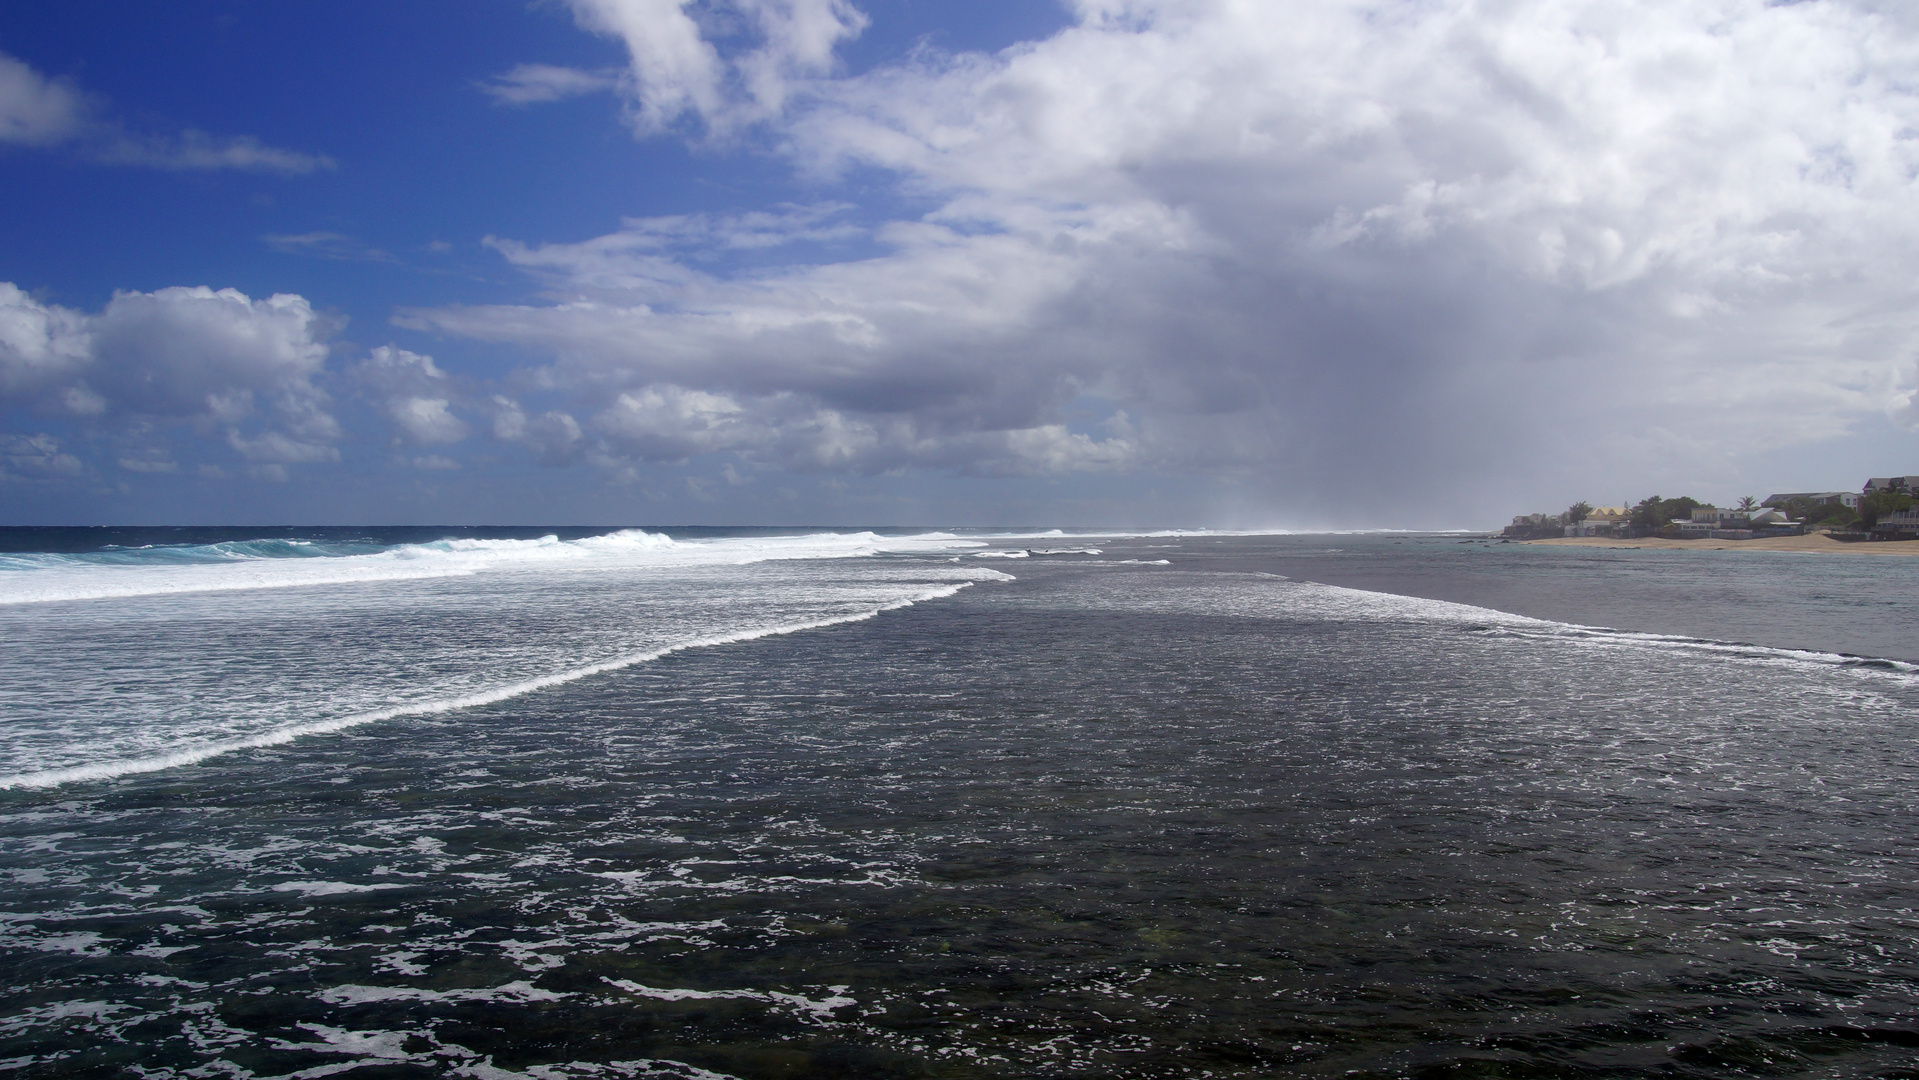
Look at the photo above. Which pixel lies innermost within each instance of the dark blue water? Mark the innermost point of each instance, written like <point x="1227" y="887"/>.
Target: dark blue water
<point x="1116" y="817"/>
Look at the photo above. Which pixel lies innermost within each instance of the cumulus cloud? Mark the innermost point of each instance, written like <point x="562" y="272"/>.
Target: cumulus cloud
<point x="41" y="345"/>
<point x="209" y="360"/>
<point x="1320" y="243"/>
<point x="724" y="63"/>
<point x="36" y="110"/>
<point x="39" y="111"/>
<point x="868" y="367"/>
<point x="554" y="437"/>
<point x="413" y="393"/>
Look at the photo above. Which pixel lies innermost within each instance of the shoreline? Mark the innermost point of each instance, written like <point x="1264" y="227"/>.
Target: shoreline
<point x="1816" y="543"/>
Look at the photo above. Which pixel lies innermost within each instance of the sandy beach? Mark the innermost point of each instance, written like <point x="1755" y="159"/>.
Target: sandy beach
<point x="1818" y="542"/>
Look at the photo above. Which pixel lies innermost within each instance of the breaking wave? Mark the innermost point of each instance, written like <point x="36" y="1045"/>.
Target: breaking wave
<point x="282" y="564"/>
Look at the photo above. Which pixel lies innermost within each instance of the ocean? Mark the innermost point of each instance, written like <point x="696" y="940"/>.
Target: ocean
<point x="891" y="803"/>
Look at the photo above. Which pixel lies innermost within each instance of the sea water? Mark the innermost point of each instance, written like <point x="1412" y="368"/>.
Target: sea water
<point x="620" y="803"/>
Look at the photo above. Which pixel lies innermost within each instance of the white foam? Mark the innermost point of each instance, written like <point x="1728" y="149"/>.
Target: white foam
<point x="332" y="888"/>
<point x="1332" y="601"/>
<point x="66" y="579"/>
<point x="54" y="578"/>
<point x="351" y="994"/>
<point x="820" y="1009"/>
<point x="1604" y="637"/>
<point x="104" y="770"/>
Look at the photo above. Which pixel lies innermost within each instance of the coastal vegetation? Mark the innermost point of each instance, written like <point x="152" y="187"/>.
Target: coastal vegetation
<point x="1653" y="513"/>
<point x="1885" y="505"/>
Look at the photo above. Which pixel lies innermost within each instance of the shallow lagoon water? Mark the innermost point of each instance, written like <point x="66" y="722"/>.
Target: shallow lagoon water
<point x="1117" y="816"/>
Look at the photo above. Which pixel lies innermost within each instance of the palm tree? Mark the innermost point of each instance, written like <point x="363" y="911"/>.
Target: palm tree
<point x="1748" y="503"/>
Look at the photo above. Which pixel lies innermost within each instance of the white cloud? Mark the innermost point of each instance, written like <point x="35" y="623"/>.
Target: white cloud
<point x="1904" y="409"/>
<point x="149" y="464"/>
<point x="277" y="449"/>
<point x="1326" y="241"/>
<point x="668" y="423"/>
<point x="200" y="353"/>
<point x="528" y="84"/>
<point x="427" y="420"/>
<point x="413" y="393"/>
<point x="554" y="437"/>
<point x="38" y="111"/>
<point x="213" y="361"/>
<point x="40" y="345"/>
<point x="197" y="151"/>
<point x="326" y="245"/>
<point x="740" y="66"/>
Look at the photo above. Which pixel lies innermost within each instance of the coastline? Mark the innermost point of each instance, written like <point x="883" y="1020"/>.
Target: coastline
<point x="1816" y="543"/>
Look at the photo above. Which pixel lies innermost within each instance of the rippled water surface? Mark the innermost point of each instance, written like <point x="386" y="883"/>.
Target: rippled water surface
<point x="1150" y="806"/>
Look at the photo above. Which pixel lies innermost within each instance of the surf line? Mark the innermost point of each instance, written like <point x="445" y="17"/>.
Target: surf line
<point x="107" y="770"/>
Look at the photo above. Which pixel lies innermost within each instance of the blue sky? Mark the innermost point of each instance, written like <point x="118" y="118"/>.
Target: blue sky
<point x="818" y="261"/>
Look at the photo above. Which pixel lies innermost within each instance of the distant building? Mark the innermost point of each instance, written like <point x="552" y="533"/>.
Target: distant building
<point x="1533" y="527"/>
<point x="1906" y="485"/>
<point x="1898" y="525"/>
<point x="1602" y="521"/>
<point x="1708" y="521"/>
<point x="1719" y="515"/>
<point x="1721" y="524"/>
<point x="1847" y="499"/>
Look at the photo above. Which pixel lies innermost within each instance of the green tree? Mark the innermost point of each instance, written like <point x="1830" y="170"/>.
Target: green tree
<point x="1880" y="503"/>
<point x="1578" y="512"/>
<point x="1645" y="514"/>
<point x="1836" y="516"/>
<point x="1656" y="513"/>
<point x="1816" y="512"/>
<point x="1748" y="503"/>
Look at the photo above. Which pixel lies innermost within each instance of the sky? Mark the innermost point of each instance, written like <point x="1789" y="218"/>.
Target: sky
<point x="1255" y="264"/>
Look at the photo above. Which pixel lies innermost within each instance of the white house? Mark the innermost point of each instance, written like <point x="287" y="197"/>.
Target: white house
<point x="1712" y="521"/>
<point x="1601" y="521"/>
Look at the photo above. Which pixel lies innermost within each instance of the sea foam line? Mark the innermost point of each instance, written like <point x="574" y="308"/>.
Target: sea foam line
<point x="1485" y="620"/>
<point x="107" y="770"/>
<point x="1608" y="637"/>
<point x="36" y="578"/>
